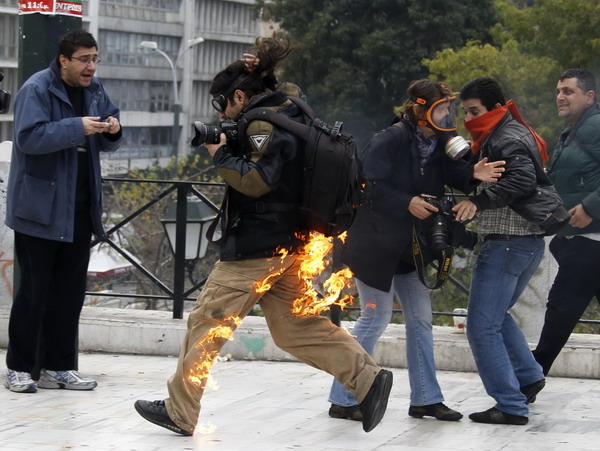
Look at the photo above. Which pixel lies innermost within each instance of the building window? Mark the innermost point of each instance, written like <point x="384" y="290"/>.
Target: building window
<point x="140" y="95"/>
<point x="226" y="18"/>
<point x="123" y="49"/>
<point x="149" y="10"/>
<point x="9" y="35"/>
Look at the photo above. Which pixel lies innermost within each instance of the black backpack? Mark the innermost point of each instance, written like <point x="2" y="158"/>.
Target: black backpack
<point x="332" y="181"/>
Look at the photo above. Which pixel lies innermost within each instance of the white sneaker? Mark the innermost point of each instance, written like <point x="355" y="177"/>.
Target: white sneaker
<point x="19" y="382"/>
<point x="70" y="380"/>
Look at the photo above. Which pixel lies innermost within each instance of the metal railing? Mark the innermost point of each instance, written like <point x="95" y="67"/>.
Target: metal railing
<point x="177" y="293"/>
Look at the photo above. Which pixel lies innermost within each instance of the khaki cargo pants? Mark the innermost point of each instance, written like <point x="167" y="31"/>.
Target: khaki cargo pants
<point x="315" y="340"/>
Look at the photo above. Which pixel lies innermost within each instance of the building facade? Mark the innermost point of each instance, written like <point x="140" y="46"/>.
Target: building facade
<point x="140" y="80"/>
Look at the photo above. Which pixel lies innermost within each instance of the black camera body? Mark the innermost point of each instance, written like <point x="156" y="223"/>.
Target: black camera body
<point x="211" y="134"/>
<point x="4" y="98"/>
<point x="445" y="231"/>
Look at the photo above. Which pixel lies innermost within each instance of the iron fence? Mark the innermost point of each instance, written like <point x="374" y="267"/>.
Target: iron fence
<point x="177" y="293"/>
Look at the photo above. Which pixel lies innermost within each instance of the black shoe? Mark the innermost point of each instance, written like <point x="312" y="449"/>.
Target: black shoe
<point x="346" y="413"/>
<point x="156" y="412"/>
<point x="440" y="411"/>
<point x="374" y="405"/>
<point x="495" y="416"/>
<point x="532" y="390"/>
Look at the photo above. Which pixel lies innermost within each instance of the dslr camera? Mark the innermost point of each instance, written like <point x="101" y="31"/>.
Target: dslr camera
<point x="4" y="98"/>
<point x="210" y="134"/>
<point x="445" y="231"/>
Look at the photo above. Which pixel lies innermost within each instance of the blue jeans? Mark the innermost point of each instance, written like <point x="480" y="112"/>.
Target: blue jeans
<point x="376" y="312"/>
<point x="503" y="358"/>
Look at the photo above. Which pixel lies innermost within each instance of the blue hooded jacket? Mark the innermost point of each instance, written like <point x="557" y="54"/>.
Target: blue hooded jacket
<point x="43" y="170"/>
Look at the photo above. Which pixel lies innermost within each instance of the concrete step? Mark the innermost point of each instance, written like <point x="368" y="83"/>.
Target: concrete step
<point x="150" y="332"/>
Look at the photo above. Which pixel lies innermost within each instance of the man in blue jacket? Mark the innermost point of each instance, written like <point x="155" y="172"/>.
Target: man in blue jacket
<point x="63" y="119"/>
<point x="575" y="171"/>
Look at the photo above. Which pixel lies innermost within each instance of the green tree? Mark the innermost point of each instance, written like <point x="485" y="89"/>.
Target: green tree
<point x="355" y="58"/>
<point x="564" y="30"/>
<point x="529" y="80"/>
<point x="532" y="46"/>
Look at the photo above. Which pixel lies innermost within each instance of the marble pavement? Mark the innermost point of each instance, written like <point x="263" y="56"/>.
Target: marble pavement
<point x="271" y="406"/>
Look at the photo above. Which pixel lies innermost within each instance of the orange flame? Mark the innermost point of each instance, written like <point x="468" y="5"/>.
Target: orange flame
<point x="200" y="372"/>
<point x="313" y="262"/>
<point x="265" y="284"/>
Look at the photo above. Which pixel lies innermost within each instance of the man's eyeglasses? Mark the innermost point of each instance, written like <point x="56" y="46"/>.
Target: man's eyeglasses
<point x="87" y="59"/>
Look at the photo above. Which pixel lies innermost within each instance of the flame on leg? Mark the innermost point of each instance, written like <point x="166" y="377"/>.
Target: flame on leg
<point x="200" y="372"/>
<point x="313" y="262"/>
<point x="263" y="285"/>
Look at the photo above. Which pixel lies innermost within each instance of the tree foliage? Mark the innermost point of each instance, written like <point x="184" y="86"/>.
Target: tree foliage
<point x="529" y="80"/>
<point x="564" y="30"/>
<point x="532" y="46"/>
<point x="355" y="58"/>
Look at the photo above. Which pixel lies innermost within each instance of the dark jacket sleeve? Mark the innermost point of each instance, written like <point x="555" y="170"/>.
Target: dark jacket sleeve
<point x="589" y="139"/>
<point x="458" y="174"/>
<point x="379" y="160"/>
<point x="518" y="180"/>
<point x="256" y="173"/>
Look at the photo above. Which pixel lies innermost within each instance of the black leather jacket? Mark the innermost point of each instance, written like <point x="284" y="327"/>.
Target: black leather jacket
<point x="379" y="240"/>
<point x="512" y="142"/>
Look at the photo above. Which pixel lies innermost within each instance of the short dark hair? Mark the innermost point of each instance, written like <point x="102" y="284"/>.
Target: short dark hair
<point x="485" y="89"/>
<point x="585" y="79"/>
<point x="74" y="39"/>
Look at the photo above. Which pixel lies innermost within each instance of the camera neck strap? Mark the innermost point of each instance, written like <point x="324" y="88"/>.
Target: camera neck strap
<point x="443" y="259"/>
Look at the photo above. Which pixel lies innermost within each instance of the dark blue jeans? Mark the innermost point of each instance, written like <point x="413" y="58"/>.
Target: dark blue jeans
<point x="503" y="358"/>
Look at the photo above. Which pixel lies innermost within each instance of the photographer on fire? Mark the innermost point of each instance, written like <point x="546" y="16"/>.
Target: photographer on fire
<point x="263" y="173"/>
<point x="407" y="166"/>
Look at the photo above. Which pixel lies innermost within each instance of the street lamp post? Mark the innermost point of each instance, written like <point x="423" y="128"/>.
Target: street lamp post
<point x="153" y="45"/>
<point x="185" y="224"/>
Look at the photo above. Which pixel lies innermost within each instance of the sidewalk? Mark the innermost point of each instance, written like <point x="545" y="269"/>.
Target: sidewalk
<point x="272" y="406"/>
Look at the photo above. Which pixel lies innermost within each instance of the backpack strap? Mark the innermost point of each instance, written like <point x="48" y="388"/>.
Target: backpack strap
<point x="283" y="121"/>
<point x="304" y="107"/>
<point x="268" y="115"/>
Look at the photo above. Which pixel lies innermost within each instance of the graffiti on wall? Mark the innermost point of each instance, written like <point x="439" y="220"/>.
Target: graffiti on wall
<point x="5" y="274"/>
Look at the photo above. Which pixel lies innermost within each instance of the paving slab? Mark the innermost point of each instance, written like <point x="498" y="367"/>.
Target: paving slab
<point x="272" y="406"/>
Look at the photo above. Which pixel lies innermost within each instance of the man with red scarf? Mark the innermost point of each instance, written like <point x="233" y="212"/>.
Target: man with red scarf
<point x="512" y="250"/>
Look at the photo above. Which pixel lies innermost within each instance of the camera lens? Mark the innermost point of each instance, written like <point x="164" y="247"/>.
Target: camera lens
<point x="439" y="233"/>
<point x="206" y="134"/>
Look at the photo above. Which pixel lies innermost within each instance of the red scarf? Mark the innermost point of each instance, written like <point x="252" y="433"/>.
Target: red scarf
<point x="481" y="127"/>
